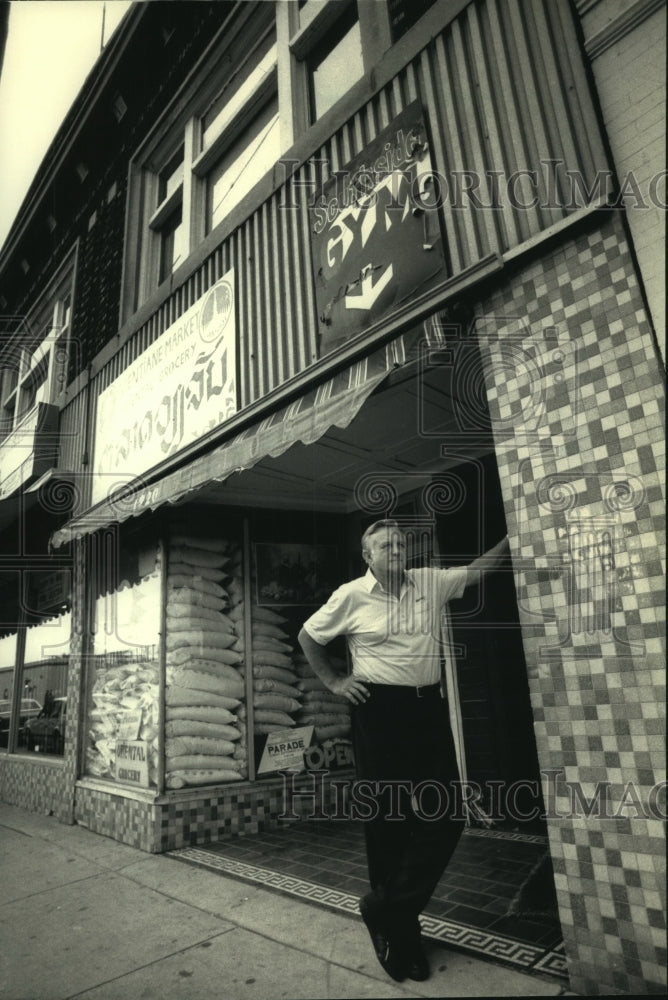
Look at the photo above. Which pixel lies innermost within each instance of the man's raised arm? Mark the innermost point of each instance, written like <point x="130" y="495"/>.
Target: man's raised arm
<point x="488" y="561"/>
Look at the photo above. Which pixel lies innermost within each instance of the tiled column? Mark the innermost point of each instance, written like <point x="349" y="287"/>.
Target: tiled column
<point x="576" y="397"/>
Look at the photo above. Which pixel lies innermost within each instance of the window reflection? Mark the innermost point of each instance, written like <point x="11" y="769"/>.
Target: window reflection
<point x="44" y="686"/>
<point x="7" y="660"/>
<point x="123" y="683"/>
<point x="243" y="164"/>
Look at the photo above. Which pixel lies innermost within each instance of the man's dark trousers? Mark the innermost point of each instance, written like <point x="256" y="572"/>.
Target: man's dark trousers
<point x="403" y="741"/>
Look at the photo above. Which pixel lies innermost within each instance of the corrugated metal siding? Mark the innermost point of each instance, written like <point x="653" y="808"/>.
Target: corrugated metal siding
<point x="503" y="88"/>
<point x="72" y="436"/>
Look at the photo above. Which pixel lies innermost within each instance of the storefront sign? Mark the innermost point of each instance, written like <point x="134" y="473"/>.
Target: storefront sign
<point x="132" y="762"/>
<point x="129" y="725"/>
<point x="53" y="589"/>
<point x="285" y="749"/>
<point x="376" y="237"/>
<point x="331" y="755"/>
<point x="182" y="386"/>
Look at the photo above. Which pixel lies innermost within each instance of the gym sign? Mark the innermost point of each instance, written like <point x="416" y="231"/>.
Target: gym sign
<point x="376" y="238"/>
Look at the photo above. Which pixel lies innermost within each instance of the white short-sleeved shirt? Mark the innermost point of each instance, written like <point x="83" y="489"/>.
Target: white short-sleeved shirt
<point x="391" y="640"/>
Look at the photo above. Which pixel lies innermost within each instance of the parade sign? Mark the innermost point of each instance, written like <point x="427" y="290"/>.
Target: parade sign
<point x="179" y="388"/>
<point x="376" y="238"/>
<point x="284" y="749"/>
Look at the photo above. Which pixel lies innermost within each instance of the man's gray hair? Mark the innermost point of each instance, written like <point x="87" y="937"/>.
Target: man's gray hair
<point x="379" y="526"/>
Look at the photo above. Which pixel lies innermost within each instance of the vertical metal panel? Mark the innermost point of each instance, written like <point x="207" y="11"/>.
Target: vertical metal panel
<point x="445" y="149"/>
<point x="492" y="139"/>
<point x="72" y="438"/>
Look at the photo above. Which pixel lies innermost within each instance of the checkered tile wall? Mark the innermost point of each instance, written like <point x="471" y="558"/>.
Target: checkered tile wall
<point x="576" y="397"/>
<point x="187" y="818"/>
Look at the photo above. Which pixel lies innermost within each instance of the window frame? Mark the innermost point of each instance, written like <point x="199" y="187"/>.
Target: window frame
<point x="30" y="616"/>
<point x="181" y="126"/>
<point x="298" y="30"/>
<point x="303" y="30"/>
<point x="232" y="140"/>
<point x="43" y="341"/>
<point x="319" y="52"/>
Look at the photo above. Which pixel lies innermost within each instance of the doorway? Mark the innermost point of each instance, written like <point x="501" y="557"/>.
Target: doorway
<point x="497" y="718"/>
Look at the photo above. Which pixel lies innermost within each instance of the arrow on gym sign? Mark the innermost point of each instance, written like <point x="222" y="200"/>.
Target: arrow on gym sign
<point x="369" y="290"/>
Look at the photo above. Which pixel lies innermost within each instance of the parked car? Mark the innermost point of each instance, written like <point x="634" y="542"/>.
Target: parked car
<point x="46" y="732"/>
<point x="30" y="708"/>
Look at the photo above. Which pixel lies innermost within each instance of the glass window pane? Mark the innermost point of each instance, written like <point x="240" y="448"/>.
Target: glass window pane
<point x="205" y="734"/>
<point x="7" y="661"/>
<point x="172" y="248"/>
<point x="243" y="164"/>
<point x="237" y="92"/>
<point x="171" y="177"/>
<point x="123" y="677"/>
<point x="333" y="71"/>
<point x="44" y="686"/>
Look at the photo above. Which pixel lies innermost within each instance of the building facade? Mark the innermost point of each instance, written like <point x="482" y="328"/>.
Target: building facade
<point x="252" y="302"/>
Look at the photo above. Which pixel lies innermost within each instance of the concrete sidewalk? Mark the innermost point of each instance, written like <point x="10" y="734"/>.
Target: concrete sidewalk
<point x="84" y="916"/>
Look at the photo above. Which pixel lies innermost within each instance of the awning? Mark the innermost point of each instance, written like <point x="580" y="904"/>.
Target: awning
<point x="37" y="497"/>
<point x="333" y="403"/>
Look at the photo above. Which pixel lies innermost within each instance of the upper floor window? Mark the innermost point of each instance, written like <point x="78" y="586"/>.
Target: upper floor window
<point x="34" y="358"/>
<point x="335" y="63"/>
<point x="272" y="71"/>
<point x="202" y="162"/>
<point x="242" y="163"/>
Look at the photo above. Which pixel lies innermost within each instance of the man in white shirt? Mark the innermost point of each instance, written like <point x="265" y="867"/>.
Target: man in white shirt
<point x="392" y="620"/>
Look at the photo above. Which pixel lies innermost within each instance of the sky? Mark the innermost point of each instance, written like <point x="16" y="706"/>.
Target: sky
<point x="51" y="46"/>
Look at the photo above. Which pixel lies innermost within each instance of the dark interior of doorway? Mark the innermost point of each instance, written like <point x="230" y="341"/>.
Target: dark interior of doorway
<point x="497" y="717"/>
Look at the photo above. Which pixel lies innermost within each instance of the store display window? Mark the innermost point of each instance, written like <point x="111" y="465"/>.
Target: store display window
<point x="297" y="721"/>
<point x="7" y="663"/>
<point x="44" y="682"/>
<point x="206" y="705"/>
<point x="205" y="710"/>
<point x="34" y="658"/>
<point x="123" y="674"/>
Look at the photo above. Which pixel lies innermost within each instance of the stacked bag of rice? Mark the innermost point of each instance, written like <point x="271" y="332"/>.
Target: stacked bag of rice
<point x="275" y="692"/>
<point x="130" y="686"/>
<point x="329" y="713"/>
<point x="204" y="733"/>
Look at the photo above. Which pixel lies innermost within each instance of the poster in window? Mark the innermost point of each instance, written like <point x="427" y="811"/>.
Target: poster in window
<point x="294" y="574"/>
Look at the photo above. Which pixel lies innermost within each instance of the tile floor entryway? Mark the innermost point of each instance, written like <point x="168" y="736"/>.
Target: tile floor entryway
<point x="324" y="862"/>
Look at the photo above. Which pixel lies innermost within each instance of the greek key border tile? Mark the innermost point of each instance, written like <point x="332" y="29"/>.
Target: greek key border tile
<point x="525" y="838"/>
<point x="553" y="963"/>
<point x="517" y="953"/>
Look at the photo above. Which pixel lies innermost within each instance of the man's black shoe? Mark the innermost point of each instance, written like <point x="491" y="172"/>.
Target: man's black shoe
<point x="413" y="958"/>
<point x="381" y="945"/>
<point x="417" y="966"/>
